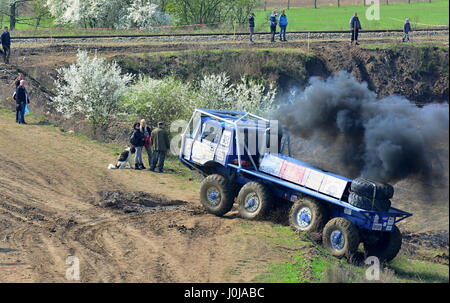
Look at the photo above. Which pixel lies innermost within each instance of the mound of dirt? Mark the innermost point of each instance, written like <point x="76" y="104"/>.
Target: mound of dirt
<point x="418" y="244"/>
<point x="138" y="202"/>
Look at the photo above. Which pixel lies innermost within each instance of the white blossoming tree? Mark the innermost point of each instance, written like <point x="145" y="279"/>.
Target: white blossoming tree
<point x="108" y="13"/>
<point x="91" y="88"/>
<point x="215" y="91"/>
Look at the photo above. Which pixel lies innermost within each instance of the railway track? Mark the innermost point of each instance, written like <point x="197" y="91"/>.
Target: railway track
<point x="189" y="37"/>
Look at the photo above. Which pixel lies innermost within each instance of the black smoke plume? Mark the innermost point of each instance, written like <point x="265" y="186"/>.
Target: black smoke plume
<point x="387" y="139"/>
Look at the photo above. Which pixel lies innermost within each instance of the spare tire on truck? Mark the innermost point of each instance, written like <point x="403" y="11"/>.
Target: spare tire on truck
<point x="217" y="194"/>
<point x="368" y="204"/>
<point x="368" y="188"/>
<point x="387" y="245"/>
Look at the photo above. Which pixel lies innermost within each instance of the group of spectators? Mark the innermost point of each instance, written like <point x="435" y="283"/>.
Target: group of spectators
<point x="155" y="142"/>
<point x="282" y="22"/>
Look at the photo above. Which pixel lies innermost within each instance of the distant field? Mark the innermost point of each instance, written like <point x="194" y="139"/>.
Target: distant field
<point x="421" y="14"/>
<point x="325" y="17"/>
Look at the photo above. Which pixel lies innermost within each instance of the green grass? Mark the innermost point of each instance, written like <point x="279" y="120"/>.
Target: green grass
<point x="421" y="14"/>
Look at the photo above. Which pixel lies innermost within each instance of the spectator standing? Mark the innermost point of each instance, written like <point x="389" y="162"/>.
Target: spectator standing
<point x="355" y="27"/>
<point x="251" y="25"/>
<point x="160" y="144"/>
<point x="147" y="146"/>
<point x="21" y="97"/>
<point x="138" y="141"/>
<point x="6" y="44"/>
<point x="273" y="25"/>
<point x="283" y="21"/>
<point x="18" y="79"/>
<point x="406" y="30"/>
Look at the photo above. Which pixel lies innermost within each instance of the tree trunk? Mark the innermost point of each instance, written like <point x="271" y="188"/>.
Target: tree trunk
<point x="289" y="4"/>
<point x="12" y="16"/>
<point x="339" y="3"/>
<point x="315" y="3"/>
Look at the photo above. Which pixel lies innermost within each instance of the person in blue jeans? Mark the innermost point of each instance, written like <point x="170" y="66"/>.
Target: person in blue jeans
<point x="273" y="25"/>
<point x="21" y="97"/>
<point x="283" y="22"/>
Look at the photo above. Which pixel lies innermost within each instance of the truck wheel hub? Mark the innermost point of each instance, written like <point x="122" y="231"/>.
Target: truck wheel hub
<point x="251" y="202"/>
<point x="337" y="240"/>
<point x="213" y="196"/>
<point x="304" y="217"/>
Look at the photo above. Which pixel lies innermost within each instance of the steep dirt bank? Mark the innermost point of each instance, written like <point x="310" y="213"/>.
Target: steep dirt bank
<point x="417" y="73"/>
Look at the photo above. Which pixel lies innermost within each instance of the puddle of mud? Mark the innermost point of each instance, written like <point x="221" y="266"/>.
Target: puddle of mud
<point x="138" y="202"/>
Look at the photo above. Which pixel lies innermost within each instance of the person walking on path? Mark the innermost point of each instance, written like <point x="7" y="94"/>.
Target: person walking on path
<point x="160" y="144"/>
<point x="355" y="27"/>
<point x="273" y="25"/>
<point x="406" y="30"/>
<point x="251" y="25"/>
<point x="21" y="97"/>
<point x="6" y="44"/>
<point x="283" y="21"/>
<point x="138" y="141"/>
<point x="147" y="146"/>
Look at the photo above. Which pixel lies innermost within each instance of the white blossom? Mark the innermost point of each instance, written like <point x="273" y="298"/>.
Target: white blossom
<point x="92" y="88"/>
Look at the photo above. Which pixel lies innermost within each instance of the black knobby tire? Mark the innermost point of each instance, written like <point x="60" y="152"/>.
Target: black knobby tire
<point x="367" y="203"/>
<point x="366" y="188"/>
<point x="350" y="233"/>
<point x="317" y="211"/>
<point x="387" y="246"/>
<point x="262" y="194"/>
<point x="221" y="185"/>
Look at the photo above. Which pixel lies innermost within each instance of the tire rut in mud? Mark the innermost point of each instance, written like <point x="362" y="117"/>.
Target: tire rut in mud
<point x="138" y="202"/>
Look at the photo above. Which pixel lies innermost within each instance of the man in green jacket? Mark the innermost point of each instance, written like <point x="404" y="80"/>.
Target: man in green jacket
<point x="160" y="145"/>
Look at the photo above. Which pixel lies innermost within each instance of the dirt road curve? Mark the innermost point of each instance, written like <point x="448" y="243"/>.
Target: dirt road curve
<point x="49" y="185"/>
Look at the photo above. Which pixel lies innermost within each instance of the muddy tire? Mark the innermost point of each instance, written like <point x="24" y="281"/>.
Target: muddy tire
<point x="340" y="237"/>
<point x="307" y="215"/>
<point x="217" y="194"/>
<point x="365" y="188"/>
<point x="366" y="203"/>
<point x="387" y="246"/>
<point x="255" y="201"/>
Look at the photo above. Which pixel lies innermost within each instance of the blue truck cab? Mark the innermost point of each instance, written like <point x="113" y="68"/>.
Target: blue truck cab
<point x="246" y="159"/>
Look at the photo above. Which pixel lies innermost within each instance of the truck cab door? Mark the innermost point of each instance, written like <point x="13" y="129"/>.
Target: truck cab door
<point x="205" y="145"/>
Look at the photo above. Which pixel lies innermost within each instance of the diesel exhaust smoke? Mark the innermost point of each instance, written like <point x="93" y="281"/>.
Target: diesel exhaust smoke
<point x="387" y="139"/>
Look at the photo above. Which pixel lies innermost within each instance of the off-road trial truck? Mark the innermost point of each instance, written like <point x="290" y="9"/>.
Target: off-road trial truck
<point x="235" y="152"/>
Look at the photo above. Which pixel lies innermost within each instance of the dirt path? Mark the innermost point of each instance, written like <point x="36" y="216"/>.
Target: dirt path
<point x="49" y="185"/>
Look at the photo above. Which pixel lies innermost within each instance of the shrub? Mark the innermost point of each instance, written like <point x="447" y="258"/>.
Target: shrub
<point x="91" y="88"/>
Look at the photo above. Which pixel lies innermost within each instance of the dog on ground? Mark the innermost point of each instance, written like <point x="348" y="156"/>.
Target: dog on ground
<point x="124" y="159"/>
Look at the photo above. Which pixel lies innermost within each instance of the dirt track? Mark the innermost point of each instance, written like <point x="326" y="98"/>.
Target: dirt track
<point x="49" y="185"/>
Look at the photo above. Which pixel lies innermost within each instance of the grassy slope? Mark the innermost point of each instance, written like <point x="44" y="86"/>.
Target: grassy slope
<point x="299" y="259"/>
<point x="322" y="18"/>
<point x="337" y="18"/>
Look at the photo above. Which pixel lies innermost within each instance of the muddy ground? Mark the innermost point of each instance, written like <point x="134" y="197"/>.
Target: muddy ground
<point x="57" y="199"/>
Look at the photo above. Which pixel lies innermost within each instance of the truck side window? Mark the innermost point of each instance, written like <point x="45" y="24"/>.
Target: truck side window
<point x="211" y="133"/>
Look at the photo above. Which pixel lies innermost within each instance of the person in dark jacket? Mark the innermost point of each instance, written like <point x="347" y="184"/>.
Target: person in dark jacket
<point x="251" y="25"/>
<point x="160" y="144"/>
<point x="406" y="30"/>
<point x="21" y="97"/>
<point x="138" y="141"/>
<point x="147" y="146"/>
<point x="355" y="27"/>
<point x="283" y="22"/>
<point x="6" y="44"/>
<point x="273" y="25"/>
